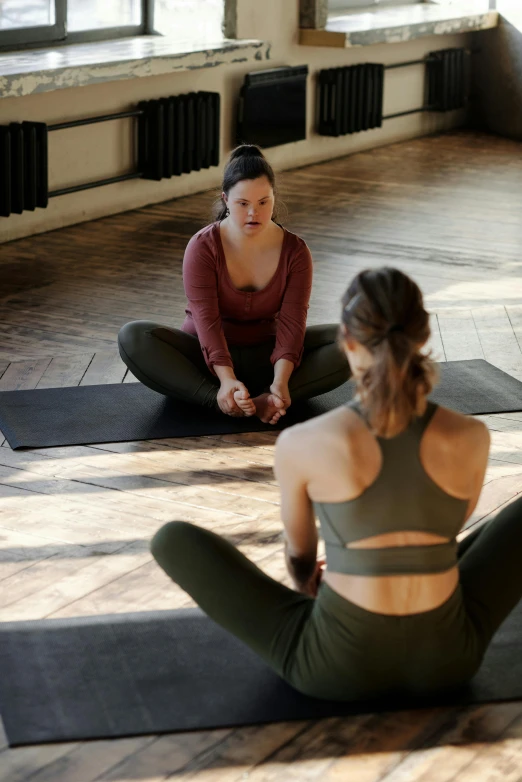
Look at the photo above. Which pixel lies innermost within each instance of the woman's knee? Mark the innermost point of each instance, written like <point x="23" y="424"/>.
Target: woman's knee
<point x="173" y="537"/>
<point x="321" y="334"/>
<point x="130" y="334"/>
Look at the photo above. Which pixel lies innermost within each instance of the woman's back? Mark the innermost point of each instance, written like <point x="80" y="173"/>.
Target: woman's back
<point x="347" y="472"/>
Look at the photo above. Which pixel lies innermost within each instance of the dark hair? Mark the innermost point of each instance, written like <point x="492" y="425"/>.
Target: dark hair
<point x="384" y="311"/>
<point x="245" y="162"/>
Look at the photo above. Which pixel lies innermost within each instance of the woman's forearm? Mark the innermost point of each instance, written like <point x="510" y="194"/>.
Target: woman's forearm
<point x="283" y="369"/>
<point x="224" y="373"/>
<point x="301" y="568"/>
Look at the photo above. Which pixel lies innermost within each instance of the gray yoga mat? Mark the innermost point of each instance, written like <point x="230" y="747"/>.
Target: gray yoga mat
<point x="130" y="411"/>
<point x="144" y="673"/>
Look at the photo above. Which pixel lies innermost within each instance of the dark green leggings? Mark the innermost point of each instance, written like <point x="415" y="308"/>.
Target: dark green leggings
<point x="331" y="648"/>
<point x="171" y="362"/>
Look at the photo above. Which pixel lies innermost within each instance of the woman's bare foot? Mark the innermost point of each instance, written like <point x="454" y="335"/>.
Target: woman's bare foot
<point x="269" y="408"/>
<point x="245" y="402"/>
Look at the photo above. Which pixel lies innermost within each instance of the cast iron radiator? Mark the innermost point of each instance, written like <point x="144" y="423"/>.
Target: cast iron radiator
<point x="23" y="167"/>
<point x="350" y="99"/>
<point x="179" y="134"/>
<point x="446" y="79"/>
<point x="272" y="107"/>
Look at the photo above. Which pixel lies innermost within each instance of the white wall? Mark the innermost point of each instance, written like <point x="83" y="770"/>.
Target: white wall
<point x="497" y="73"/>
<point x="106" y="150"/>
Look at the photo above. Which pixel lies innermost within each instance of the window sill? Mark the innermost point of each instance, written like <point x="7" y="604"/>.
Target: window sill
<point x="397" y="24"/>
<point x="76" y="65"/>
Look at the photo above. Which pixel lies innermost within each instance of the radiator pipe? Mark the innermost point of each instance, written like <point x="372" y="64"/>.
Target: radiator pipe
<point x="99" y="183"/>
<point x="405" y="113"/>
<point x="405" y="64"/>
<point x="92" y="120"/>
<point x="421" y="62"/>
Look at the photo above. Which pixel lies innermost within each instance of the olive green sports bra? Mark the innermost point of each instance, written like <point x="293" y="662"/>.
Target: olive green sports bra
<point x="403" y="498"/>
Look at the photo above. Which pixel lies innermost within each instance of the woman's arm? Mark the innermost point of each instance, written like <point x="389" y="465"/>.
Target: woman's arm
<point x="283" y="369"/>
<point x="297" y="514"/>
<point x="479" y="449"/>
<point x="291" y="320"/>
<point x="201" y="289"/>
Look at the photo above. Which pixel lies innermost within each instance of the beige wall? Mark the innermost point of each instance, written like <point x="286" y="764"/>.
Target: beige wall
<point x="498" y="76"/>
<point x="105" y="150"/>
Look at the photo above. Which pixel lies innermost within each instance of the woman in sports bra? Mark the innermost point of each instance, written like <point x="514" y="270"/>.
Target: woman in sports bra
<point x="398" y="606"/>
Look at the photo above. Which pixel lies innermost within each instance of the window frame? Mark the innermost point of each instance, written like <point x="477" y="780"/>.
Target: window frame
<point x="20" y="37"/>
<point x="57" y="35"/>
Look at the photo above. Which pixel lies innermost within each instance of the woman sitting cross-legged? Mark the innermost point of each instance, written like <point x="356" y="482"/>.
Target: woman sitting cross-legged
<point x="244" y="345"/>
<point x="399" y="607"/>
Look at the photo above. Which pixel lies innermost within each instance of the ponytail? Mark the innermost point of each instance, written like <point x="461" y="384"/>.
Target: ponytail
<point x="383" y="310"/>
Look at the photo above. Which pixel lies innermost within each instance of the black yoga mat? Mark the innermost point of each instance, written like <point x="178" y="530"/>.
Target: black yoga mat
<point x="130" y="411"/>
<point x="169" y="671"/>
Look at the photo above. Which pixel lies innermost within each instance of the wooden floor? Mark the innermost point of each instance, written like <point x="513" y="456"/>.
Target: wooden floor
<point x="75" y="522"/>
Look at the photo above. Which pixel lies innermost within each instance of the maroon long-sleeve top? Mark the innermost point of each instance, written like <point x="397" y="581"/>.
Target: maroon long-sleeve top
<point x="219" y="314"/>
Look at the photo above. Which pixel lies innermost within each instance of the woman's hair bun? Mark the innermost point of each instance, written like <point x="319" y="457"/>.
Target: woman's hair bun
<point x="246" y="150"/>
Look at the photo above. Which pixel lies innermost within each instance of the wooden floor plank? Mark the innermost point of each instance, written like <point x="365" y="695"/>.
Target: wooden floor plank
<point x="465" y="739"/>
<point x="21" y="375"/>
<point x="435" y="343"/>
<point x="224" y="755"/>
<point x="90" y="761"/>
<point x="20" y="550"/>
<point x="498" y="339"/>
<point x="505" y="422"/>
<point x="371" y="746"/>
<point x="501" y="762"/>
<point x="496" y="496"/>
<point x="65" y="371"/>
<point x="105" y="367"/>
<point x="142" y="509"/>
<point x="514" y="313"/>
<point x="24" y="763"/>
<point x="506" y="446"/>
<point x="141" y="758"/>
<point x="86" y="576"/>
<point x="498" y="469"/>
<point x="256" y="481"/>
<point x="459" y="335"/>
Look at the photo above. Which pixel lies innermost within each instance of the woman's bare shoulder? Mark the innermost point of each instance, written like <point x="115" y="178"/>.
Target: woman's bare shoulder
<point x="310" y="438"/>
<point x="455" y="423"/>
<point x="467" y="434"/>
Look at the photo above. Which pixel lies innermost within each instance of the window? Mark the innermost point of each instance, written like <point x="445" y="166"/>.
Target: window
<point x="350" y="5"/>
<point x="34" y="22"/>
<point x="189" y="19"/>
<point x="102" y="15"/>
<point x="25" y="21"/>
